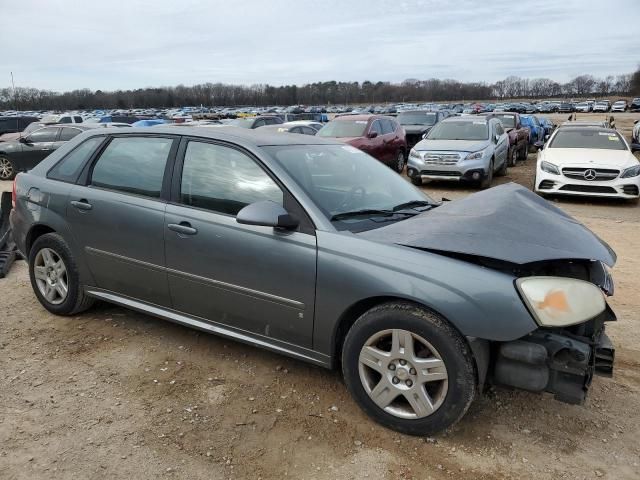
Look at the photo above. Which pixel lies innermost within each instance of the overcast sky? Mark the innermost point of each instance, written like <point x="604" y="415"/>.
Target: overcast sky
<point x="119" y="44"/>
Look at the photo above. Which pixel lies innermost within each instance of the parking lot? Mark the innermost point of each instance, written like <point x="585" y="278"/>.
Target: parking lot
<point x="113" y="393"/>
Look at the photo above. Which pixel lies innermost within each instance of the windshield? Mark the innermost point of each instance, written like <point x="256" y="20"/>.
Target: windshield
<point x="343" y="128"/>
<point x="341" y="178"/>
<point x="459" y="130"/>
<point x="242" y="122"/>
<point x="417" y="118"/>
<point x="508" y="121"/>
<point x="587" y="138"/>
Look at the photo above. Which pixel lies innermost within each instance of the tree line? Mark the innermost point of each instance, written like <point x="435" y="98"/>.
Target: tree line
<point x="318" y="93"/>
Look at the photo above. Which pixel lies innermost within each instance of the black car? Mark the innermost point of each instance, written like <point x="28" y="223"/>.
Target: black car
<point x="15" y="124"/>
<point x="416" y="123"/>
<point x="26" y="152"/>
<point x="566" y="108"/>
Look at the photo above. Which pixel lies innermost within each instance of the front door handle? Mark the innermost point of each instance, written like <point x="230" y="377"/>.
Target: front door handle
<point x="183" y="228"/>
<point x="81" y="204"/>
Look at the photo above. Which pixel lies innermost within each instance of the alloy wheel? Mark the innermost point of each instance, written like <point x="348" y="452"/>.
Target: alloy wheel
<point x="51" y="276"/>
<point x="400" y="162"/>
<point x="403" y="374"/>
<point x="6" y="169"/>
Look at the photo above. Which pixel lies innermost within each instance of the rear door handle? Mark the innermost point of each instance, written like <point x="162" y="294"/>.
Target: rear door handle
<point x="81" y="204"/>
<point x="183" y="228"/>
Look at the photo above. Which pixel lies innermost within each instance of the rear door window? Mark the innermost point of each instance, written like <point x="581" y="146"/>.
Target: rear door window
<point x="133" y="165"/>
<point x="69" y="133"/>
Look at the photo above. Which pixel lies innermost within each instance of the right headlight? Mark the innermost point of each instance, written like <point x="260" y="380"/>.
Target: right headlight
<point x="414" y="154"/>
<point x="559" y="301"/>
<point x="549" y="168"/>
<point x="631" y="172"/>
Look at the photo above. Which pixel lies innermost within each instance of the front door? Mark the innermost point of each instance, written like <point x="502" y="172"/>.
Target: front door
<point x="251" y="278"/>
<point x="118" y="218"/>
<point x="36" y="147"/>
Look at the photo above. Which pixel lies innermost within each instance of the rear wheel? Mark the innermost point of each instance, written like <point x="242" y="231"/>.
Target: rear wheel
<point x="54" y="276"/>
<point x="7" y="170"/>
<point x="408" y="369"/>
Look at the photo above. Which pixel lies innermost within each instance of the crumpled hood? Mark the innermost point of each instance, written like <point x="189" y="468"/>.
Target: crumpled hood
<point x="508" y="222"/>
<point x="452" y="145"/>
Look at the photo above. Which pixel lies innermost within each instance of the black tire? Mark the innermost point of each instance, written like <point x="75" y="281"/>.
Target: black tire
<point x="417" y="181"/>
<point x="400" y="161"/>
<point x="502" y="171"/>
<point x="523" y="153"/>
<point x="76" y="301"/>
<point x="513" y="156"/>
<point x="486" y="181"/>
<point x="451" y="347"/>
<point x="7" y="169"/>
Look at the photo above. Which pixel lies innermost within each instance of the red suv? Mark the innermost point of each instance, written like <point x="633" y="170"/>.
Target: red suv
<point x="381" y="137"/>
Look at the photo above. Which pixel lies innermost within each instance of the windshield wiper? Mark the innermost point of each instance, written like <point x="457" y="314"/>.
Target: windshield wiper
<point x="412" y="204"/>
<point x="368" y="212"/>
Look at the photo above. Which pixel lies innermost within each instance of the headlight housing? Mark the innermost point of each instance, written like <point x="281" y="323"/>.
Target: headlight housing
<point x="475" y="155"/>
<point x="549" y="168"/>
<point x="559" y="301"/>
<point x="414" y="154"/>
<point x="631" y="172"/>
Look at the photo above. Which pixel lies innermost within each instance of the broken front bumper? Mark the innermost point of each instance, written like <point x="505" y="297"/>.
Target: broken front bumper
<point x="558" y="361"/>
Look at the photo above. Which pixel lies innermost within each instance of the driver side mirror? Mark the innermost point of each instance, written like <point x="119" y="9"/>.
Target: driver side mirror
<point x="267" y="214"/>
<point x="539" y="145"/>
<point x="635" y="147"/>
<point x="496" y="138"/>
<point x="24" y="140"/>
<point x="372" y="135"/>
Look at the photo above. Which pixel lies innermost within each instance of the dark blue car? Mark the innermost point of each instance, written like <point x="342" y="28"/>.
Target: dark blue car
<point x="536" y="131"/>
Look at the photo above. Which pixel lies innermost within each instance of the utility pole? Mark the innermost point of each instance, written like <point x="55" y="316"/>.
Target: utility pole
<point x="15" y="97"/>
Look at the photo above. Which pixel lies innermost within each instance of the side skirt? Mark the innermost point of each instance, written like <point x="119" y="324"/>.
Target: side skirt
<point x="198" y="323"/>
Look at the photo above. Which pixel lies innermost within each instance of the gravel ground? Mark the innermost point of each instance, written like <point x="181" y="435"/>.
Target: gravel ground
<point x="113" y="393"/>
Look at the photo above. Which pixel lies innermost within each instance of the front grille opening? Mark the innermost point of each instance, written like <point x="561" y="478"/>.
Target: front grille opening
<point x="440" y="173"/>
<point x="630" y="189"/>
<point x="546" y="185"/>
<point x="588" y="189"/>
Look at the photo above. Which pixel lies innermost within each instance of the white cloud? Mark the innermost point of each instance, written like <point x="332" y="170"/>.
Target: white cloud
<point x="65" y="44"/>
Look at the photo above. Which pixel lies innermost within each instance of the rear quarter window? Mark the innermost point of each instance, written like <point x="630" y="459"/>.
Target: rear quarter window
<point x="68" y="169"/>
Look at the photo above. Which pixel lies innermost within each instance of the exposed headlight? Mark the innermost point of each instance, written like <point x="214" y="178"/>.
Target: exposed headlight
<point x="549" y="168"/>
<point x="475" y="155"/>
<point x="414" y="154"/>
<point x="559" y="301"/>
<point x="631" y="172"/>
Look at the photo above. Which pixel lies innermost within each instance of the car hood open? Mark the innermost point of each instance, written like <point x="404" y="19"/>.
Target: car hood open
<point x="507" y="222"/>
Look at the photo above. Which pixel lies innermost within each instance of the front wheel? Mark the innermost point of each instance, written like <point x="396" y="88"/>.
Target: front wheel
<point x="7" y="170"/>
<point x="409" y="369"/>
<point x="488" y="178"/>
<point x="399" y="164"/>
<point x="513" y="156"/>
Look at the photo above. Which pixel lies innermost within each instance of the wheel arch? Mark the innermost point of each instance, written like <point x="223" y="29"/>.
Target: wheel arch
<point x="35" y="232"/>
<point x="478" y="348"/>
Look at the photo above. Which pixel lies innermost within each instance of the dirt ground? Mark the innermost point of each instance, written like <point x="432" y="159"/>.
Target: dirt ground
<point x="116" y="394"/>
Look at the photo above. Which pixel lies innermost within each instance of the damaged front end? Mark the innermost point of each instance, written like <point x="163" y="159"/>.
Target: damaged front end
<point x="560" y="359"/>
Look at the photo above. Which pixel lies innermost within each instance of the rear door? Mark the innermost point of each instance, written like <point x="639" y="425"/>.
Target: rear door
<point x="117" y="216"/>
<point x="250" y="278"/>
